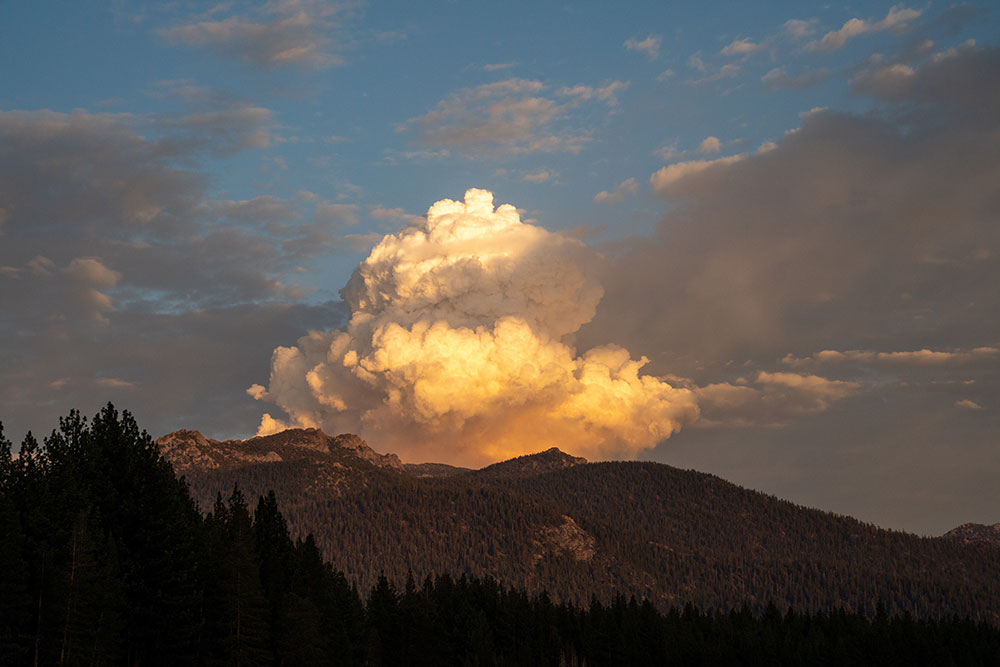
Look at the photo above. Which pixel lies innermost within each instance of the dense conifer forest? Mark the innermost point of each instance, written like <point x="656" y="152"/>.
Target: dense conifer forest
<point x="549" y="522"/>
<point x="105" y="559"/>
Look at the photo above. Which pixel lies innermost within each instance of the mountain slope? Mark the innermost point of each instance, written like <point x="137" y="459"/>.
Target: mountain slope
<point x="552" y="521"/>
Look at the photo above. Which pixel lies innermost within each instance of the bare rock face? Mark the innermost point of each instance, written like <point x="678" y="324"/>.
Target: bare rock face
<point x="976" y="532"/>
<point x="191" y="451"/>
<point x="354" y="444"/>
<point x="188" y="449"/>
<point x="567" y="538"/>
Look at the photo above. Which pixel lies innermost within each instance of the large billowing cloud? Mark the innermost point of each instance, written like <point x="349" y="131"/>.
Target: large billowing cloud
<point x="459" y="348"/>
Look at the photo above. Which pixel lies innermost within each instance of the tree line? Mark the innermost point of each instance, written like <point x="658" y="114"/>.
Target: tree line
<point x="106" y="559"/>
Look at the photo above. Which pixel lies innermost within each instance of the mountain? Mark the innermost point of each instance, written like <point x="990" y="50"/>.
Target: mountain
<point x="191" y="451"/>
<point x="976" y="532"/>
<point x="554" y="521"/>
<point x="531" y="464"/>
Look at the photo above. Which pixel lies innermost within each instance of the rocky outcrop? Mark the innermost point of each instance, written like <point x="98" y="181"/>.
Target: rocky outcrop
<point x="976" y="532"/>
<point x="567" y="539"/>
<point x="190" y="450"/>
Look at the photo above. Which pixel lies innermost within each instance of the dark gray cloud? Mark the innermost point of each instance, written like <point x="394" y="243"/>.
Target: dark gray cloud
<point x="875" y="235"/>
<point x="122" y="278"/>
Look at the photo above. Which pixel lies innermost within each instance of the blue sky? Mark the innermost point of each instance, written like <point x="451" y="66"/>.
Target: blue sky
<point x="757" y="189"/>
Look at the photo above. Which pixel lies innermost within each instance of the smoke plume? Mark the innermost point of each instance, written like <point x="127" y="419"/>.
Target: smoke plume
<point x="459" y="349"/>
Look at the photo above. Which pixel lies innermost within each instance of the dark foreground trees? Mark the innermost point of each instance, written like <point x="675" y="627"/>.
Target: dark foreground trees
<point x="105" y="559"/>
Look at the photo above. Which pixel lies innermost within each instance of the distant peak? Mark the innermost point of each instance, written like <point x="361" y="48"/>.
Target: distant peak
<point x="312" y="438"/>
<point x="533" y="464"/>
<point x="182" y="436"/>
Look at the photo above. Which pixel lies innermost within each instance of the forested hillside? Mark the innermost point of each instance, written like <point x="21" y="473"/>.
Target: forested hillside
<point x="106" y="560"/>
<point x="552" y="521"/>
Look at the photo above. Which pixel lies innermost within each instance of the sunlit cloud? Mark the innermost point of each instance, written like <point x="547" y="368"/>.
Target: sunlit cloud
<point x="769" y="399"/>
<point x="897" y="18"/>
<point x="710" y="145"/>
<point x="456" y="349"/>
<point x="922" y="357"/>
<point x="743" y="47"/>
<point x="664" y="180"/>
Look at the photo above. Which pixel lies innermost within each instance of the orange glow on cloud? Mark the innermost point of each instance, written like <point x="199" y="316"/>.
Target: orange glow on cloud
<point x="456" y="350"/>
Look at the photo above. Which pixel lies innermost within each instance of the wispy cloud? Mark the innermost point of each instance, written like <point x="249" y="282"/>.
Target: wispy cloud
<point x="629" y="186"/>
<point x="778" y="77"/>
<point x="897" y="18"/>
<point x="512" y="116"/>
<point x="798" y="28"/>
<point x="922" y="357"/>
<point x="538" y="176"/>
<point x="289" y="34"/>
<point x="649" y="45"/>
<point x="743" y="47"/>
<point x="607" y="93"/>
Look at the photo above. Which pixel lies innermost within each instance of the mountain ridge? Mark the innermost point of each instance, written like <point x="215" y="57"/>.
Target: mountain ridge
<point x="550" y="520"/>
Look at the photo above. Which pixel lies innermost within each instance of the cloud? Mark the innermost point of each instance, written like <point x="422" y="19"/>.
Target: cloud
<point x="923" y="357"/>
<point x="628" y="186"/>
<point x="887" y="81"/>
<point x="771" y="399"/>
<point x="967" y="404"/>
<point x="779" y="77"/>
<point x="667" y="180"/>
<point x="951" y="78"/>
<point x="798" y="28"/>
<point x="455" y="349"/>
<point x="265" y="208"/>
<point x="494" y="67"/>
<point x="538" y="176"/>
<point x="710" y="145"/>
<point x="650" y="45"/>
<point x="725" y="71"/>
<point x="897" y="18"/>
<point x="506" y="117"/>
<point x="90" y="270"/>
<point x="854" y="232"/>
<point x="295" y="37"/>
<point x="120" y="264"/>
<point x="339" y="214"/>
<point x="743" y="47"/>
<point x="606" y="93"/>
<point x="113" y="383"/>
<point x="395" y="215"/>
<point x="666" y="152"/>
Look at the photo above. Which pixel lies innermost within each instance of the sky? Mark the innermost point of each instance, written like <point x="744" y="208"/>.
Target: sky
<point x="757" y="241"/>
